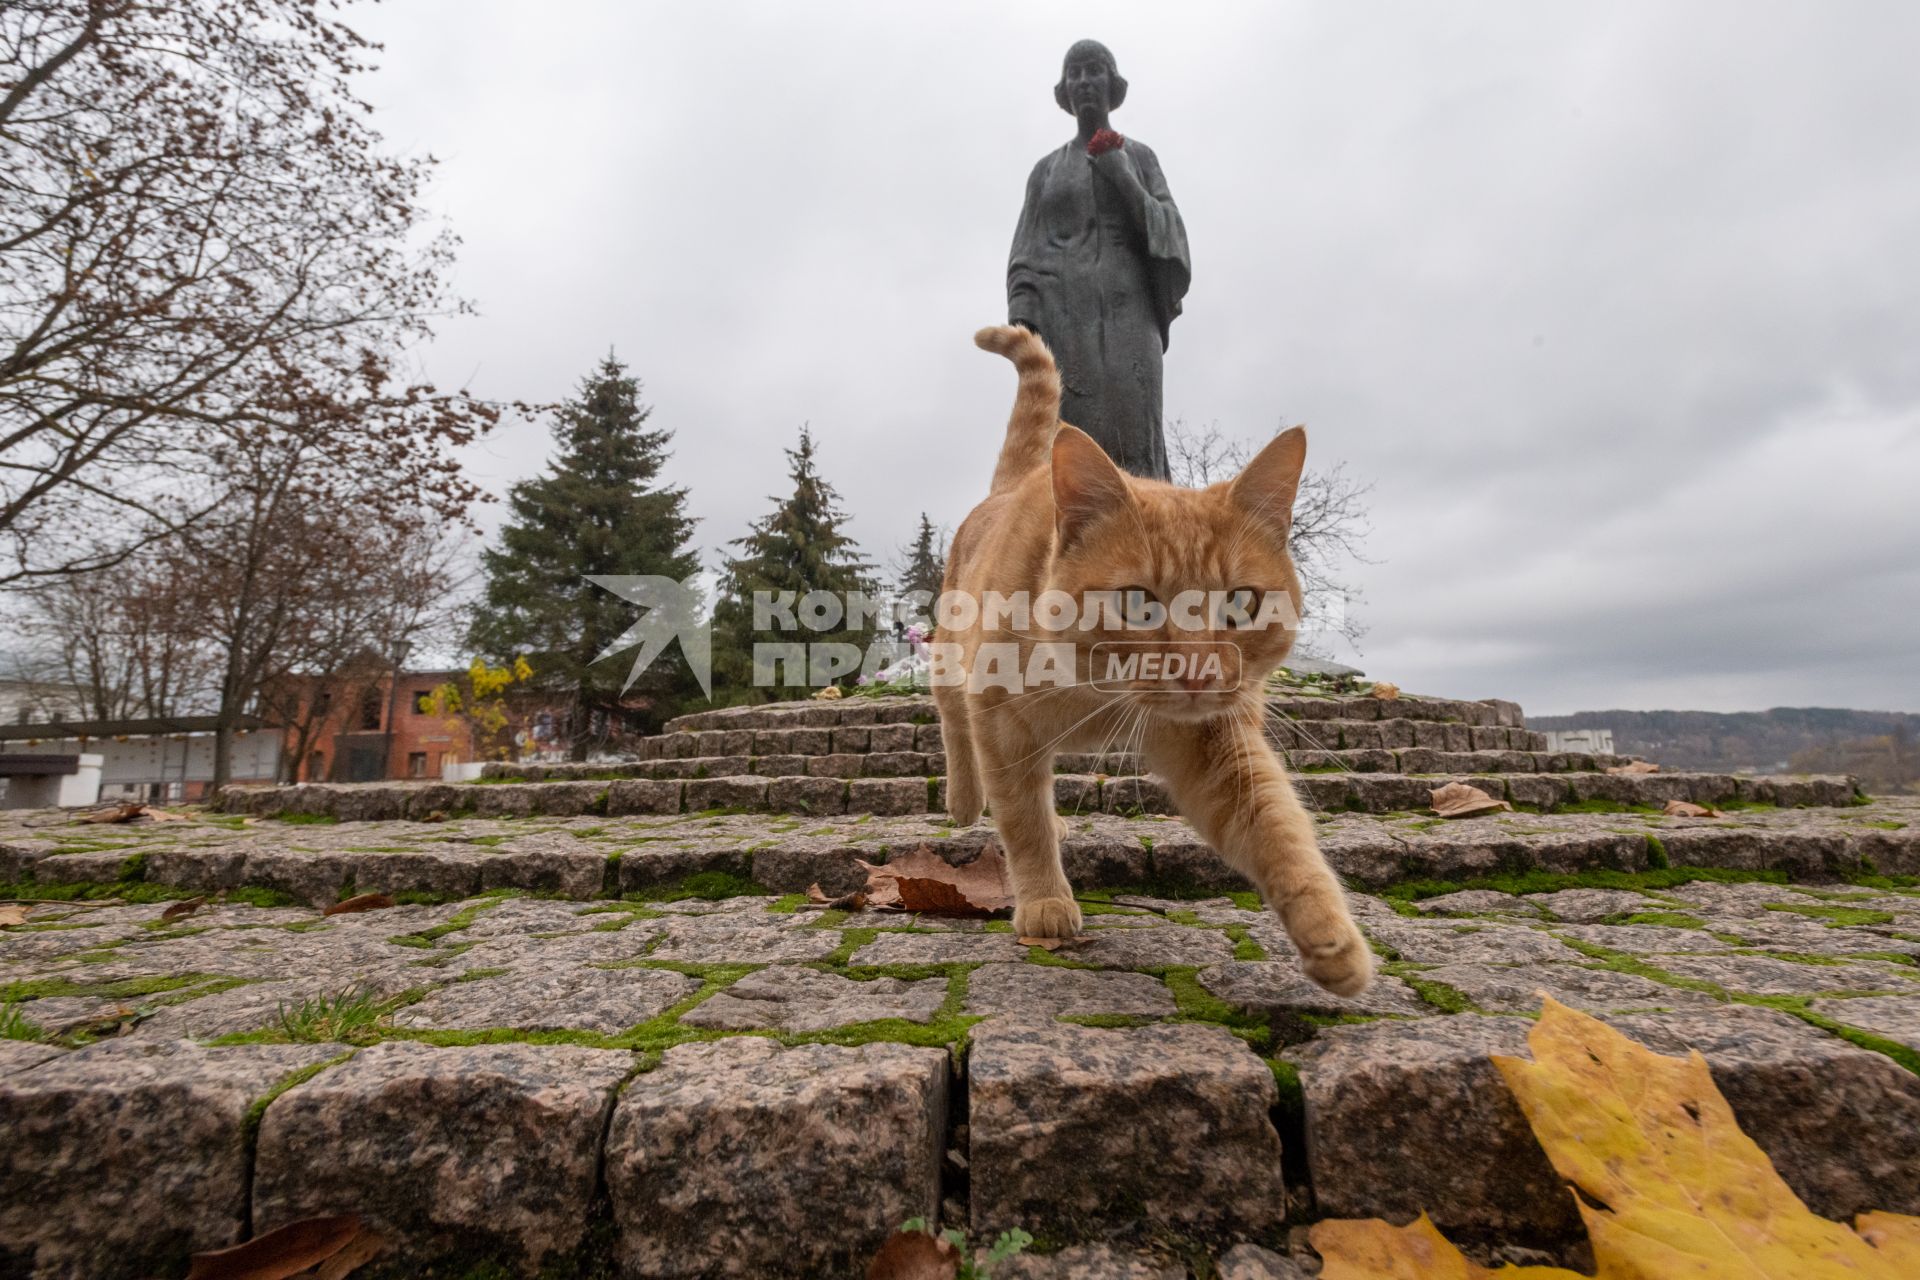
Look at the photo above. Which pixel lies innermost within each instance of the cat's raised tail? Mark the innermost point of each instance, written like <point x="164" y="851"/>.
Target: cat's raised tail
<point x="1036" y="405"/>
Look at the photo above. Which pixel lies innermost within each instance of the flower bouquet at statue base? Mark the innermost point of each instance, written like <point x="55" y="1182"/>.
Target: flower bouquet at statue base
<point x="906" y="674"/>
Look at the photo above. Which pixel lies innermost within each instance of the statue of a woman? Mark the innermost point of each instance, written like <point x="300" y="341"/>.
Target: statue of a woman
<point x="1099" y="265"/>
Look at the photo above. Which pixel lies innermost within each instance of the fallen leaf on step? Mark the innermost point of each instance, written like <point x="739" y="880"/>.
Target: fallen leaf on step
<point x="1384" y="691"/>
<point x="1664" y="1179"/>
<point x="1633" y="767"/>
<point x="359" y="902"/>
<point x="915" y="1255"/>
<point x="164" y="815"/>
<point x="831" y="691"/>
<point x="281" y="1253"/>
<point x="1458" y="800"/>
<point x="360" y="1250"/>
<point x="817" y="898"/>
<point x="13" y="913"/>
<point x="921" y="880"/>
<point x="181" y="910"/>
<point x="118" y="813"/>
<point x="1687" y="809"/>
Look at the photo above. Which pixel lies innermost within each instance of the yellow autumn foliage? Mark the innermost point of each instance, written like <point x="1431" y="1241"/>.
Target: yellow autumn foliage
<point x="1686" y="1194"/>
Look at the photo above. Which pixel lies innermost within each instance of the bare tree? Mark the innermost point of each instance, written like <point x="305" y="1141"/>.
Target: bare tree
<point x="200" y="234"/>
<point x="407" y="584"/>
<point x="119" y="638"/>
<point x="1329" y="521"/>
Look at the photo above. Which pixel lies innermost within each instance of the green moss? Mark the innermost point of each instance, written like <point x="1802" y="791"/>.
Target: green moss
<point x="125" y="989"/>
<point x="306" y="819"/>
<point x="1657" y="854"/>
<point x="1548" y="882"/>
<point x="136" y="891"/>
<point x="250" y="1124"/>
<point x="788" y="904"/>
<point x="1293" y="1095"/>
<point x="1670" y="919"/>
<point x="1438" y="994"/>
<point x="711" y="886"/>
<point x="1836" y="917"/>
<point x="1244" y="947"/>
<point x="1197" y="1004"/>
<point x="851" y="940"/>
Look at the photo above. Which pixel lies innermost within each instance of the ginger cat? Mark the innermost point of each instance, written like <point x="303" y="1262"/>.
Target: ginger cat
<point x="1062" y="517"/>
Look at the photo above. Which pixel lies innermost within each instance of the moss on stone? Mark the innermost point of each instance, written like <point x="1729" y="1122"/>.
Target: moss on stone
<point x="710" y="886"/>
<point x="1834" y="916"/>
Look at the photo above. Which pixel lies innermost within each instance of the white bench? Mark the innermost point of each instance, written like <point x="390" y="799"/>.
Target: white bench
<point x="42" y="781"/>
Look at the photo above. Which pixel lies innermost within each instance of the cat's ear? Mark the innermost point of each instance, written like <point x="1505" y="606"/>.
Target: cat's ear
<point x="1086" y="484"/>
<point x="1266" y="487"/>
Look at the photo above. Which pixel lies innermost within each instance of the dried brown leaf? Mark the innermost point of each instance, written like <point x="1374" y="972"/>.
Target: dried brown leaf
<point x="165" y="815"/>
<point x="283" y="1252"/>
<point x="817" y="899"/>
<point x="1458" y="800"/>
<point x="118" y="813"/>
<point x="1384" y="691"/>
<point x="181" y="910"/>
<point x="829" y="692"/>
<point x="1633" y="767"/>
<point x="13" y="913"/>
<point x="359" y="902"/>
<point x="915" y="1255"/>
<point x="360" y="1250"/>
<point x="921" y="880"/>
<point x="1687" y="809"/>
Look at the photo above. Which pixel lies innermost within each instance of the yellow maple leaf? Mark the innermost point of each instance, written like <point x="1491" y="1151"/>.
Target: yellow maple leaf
<point x="1666" y="1182"/>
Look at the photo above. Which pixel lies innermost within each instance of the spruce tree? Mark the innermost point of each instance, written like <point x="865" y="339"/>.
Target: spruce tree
<point x="925" y="568"/>
<point x="600" y="508"/>
<point x="800" y="546"/>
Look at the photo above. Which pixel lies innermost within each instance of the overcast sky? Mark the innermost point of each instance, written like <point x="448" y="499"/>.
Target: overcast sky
<point x="1617" y="305"/>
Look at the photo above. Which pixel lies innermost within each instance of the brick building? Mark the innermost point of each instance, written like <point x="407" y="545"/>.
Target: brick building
<point x="372" y="728"/>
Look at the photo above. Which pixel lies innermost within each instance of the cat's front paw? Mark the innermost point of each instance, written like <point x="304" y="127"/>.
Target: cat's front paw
<point x="1339" y="960"/>
<point x="1047" y="918"/>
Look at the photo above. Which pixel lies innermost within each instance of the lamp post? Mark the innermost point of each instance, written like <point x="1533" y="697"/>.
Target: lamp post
<point x="400" y="651"/>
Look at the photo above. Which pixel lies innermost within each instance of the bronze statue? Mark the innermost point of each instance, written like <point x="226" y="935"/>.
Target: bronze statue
<point x="1099" y="265"/>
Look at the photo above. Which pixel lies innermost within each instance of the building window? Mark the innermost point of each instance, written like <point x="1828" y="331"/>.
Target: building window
<point x="370" y="710"/>
<point x="416" y="764"/>
<point x="316" y="767"/>
<point x="423" y="702"/>
<point x="323" y="702"/>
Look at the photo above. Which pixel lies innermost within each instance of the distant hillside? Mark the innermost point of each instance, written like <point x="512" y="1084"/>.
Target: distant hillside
<point x="1882" y="747"/>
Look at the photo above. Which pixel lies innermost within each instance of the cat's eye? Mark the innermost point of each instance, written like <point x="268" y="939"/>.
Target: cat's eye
<point x="1237" y="608"/>
<point x="1140" y="607"/>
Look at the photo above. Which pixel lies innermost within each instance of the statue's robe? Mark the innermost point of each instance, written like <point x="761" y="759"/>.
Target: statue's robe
<point x="1102" y="282"/>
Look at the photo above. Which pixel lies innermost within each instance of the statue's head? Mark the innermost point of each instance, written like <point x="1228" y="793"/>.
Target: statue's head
<point x="1089" y="76"/>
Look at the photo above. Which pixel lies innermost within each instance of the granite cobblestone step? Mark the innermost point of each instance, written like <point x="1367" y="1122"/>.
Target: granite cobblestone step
<point x="1391" y="734"/>
<point x="589" y="857"/>
<point x="789" y="1085"/>
<point x="922" y="763"/>
<point x="1074" y="793"/>
<point x="921" y="710"/>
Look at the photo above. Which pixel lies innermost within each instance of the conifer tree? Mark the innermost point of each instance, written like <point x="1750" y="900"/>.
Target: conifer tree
<point x="925" y="567"/>
<point x="800" y="546"/>
<point x="600" y="508"/>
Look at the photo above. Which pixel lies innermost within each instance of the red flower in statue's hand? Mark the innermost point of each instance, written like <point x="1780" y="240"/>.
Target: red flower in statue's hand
<point x="1103" y="141"/>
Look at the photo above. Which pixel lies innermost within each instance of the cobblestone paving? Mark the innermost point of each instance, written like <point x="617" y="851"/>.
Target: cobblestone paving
<point x="734" y="1065"/>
